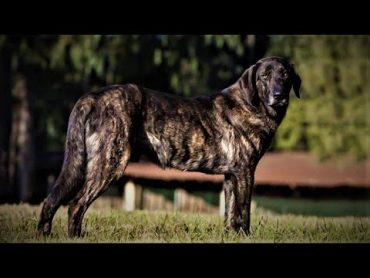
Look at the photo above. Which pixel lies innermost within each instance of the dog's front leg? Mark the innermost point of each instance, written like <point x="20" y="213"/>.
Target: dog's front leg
<point x="238" y="193"/>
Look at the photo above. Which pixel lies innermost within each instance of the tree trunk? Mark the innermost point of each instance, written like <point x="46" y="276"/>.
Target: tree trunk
<point x="5" y="91"/>
<point x="251" y="43"/>
<point x="22" y="143"/>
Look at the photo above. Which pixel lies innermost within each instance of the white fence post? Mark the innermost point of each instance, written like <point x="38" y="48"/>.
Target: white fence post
<point x="178" y="201"/>
<point x="222" y="203"/>
<point x="130" y="196"/>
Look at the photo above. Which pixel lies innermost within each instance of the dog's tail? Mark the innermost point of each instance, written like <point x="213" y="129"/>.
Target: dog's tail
<point x="72" y="175"/>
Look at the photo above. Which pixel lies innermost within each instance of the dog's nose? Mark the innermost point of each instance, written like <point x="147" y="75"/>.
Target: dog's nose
<point x="277" y="94"/>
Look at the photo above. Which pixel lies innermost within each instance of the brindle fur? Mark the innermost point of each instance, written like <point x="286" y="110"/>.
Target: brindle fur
<point x="224" y="133"/>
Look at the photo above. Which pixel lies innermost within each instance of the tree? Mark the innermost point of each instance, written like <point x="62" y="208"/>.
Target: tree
<point x="332" y="118"/>
<point x="5" y="62"/>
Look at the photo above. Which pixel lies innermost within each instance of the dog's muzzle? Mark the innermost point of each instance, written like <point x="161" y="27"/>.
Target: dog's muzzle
<point x="277" y="98"/>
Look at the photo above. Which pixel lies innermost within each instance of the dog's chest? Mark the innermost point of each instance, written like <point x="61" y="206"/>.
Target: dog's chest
<point x="160" y="146"/>
<point x="227" y="147"/>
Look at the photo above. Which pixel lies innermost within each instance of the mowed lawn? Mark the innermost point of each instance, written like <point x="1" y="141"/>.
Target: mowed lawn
<point x="18" y="224"/>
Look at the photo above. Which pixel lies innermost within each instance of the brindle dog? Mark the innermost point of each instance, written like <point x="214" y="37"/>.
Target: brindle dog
<point x="224" y="133"/>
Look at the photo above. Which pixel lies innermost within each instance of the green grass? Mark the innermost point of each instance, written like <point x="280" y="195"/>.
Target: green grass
<point x="18" y="224"/>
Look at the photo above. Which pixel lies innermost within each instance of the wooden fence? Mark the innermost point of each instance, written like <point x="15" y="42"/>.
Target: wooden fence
<point x="280" y="169"/>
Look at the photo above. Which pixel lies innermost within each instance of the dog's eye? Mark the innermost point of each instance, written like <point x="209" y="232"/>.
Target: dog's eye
<point x="285" y="74"/>
<point x="264" y="76"/>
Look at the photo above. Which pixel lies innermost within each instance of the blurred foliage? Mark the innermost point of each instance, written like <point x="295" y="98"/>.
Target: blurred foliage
<point x="200" y="64"/>
<point x="329" y="120"/>
<point x="62" y="68"/>
<point x="332" y="117"/>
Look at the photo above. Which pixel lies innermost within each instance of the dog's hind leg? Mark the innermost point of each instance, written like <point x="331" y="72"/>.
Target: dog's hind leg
<point x="107" y="155"/>
<point x="71" y="176"/>
<point x="66" y="184"/>
<point x="97" y="181"/>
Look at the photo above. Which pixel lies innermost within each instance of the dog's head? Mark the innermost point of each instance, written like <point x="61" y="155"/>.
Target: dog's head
<point x="269" y="81"/>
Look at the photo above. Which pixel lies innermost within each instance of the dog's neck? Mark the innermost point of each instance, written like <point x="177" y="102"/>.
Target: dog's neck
<point x="274" y="115"/>
<point x="245" y="118"/>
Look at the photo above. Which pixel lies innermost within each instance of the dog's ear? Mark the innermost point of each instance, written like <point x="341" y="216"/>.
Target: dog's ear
<point x="297" y="85"/>
<point x="296" y="82"/>
<point x="247" y="83"/>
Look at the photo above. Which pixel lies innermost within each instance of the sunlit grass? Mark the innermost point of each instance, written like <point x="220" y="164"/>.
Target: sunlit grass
<point x="18" y="224"/>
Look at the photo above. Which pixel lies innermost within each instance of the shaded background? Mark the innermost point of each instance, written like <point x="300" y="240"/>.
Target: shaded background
<point x="41" y="77"/>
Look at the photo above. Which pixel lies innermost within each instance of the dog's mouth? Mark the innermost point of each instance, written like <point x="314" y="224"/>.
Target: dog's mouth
<point x="274" y="101"/>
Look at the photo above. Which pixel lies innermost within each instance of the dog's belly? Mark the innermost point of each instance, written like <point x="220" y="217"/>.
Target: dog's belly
<point x="191" y="152"/>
